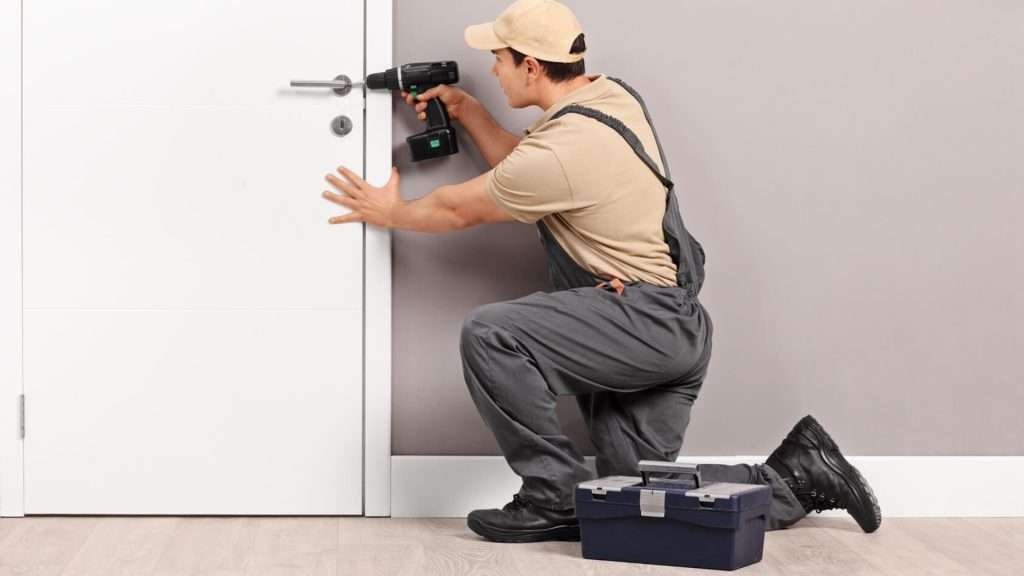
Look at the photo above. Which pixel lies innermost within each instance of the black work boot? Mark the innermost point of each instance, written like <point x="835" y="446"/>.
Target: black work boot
<point x="521" y="521"/>
<point x="812" y="466"/>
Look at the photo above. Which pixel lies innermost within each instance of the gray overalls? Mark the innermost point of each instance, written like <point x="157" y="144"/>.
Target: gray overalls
<point x="635" y="361"/>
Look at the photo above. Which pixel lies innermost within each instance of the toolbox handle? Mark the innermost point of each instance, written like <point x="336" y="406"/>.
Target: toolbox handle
<point x="671" y="468"/>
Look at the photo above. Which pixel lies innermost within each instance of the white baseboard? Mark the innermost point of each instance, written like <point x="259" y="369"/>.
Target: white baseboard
<point x="906" y="486"/>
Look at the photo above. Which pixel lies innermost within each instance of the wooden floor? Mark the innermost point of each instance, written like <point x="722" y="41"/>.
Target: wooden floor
<point x="108" y="546"/>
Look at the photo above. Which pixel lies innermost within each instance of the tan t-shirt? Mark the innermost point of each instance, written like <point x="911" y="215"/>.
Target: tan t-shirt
<point x="600" y="201"/>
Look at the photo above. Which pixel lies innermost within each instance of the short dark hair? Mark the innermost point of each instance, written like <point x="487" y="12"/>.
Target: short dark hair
<point x="558" y="71"/>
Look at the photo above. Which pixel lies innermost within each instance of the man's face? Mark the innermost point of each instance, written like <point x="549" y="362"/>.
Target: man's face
<point x="513" y="79"/>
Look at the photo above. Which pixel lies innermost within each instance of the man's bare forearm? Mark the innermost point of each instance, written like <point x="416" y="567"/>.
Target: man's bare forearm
<point x="493" y="141"/>
<point x="435" y="212"/>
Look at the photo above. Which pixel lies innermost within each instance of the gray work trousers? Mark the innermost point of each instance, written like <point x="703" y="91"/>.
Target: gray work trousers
<point x="634" y="366"/>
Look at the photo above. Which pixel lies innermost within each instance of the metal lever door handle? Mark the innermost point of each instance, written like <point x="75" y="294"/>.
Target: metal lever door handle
<point x="341" y="84"/>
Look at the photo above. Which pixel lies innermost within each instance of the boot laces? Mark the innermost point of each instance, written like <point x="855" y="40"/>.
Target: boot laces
<point x="813" y="499"/>
<point x="517" y="503"/>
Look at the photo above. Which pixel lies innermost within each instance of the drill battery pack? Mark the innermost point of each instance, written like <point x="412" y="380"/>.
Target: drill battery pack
<point x="675" y="522"/>
<point x="433" y="144"/>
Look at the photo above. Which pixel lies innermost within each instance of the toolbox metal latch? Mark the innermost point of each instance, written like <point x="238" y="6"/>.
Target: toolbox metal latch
<point x="602" y="486"/>
<point x="652" y="503"/>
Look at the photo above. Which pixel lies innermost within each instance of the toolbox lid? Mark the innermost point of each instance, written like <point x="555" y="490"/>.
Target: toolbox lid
<point x="721" y="490"/>
<point x="722" y="505"/>
<point x="609" y="484"/>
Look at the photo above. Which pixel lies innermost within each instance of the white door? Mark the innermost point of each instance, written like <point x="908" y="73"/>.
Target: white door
<point x="192" y="324"/>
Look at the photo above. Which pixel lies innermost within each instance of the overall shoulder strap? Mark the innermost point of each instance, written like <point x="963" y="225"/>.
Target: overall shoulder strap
<point x="647" y="116"/>
<point x="623" y="130"/>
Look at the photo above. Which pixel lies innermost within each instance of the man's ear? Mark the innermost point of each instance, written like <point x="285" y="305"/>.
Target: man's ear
<point x="533" y="68"/>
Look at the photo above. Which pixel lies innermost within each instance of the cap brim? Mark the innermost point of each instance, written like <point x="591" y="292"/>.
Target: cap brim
<point x="482" y="37"/>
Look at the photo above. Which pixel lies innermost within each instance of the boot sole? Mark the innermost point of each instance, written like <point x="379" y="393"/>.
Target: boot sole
<point x="565" y="533"/>
<point x="865" y="497"/>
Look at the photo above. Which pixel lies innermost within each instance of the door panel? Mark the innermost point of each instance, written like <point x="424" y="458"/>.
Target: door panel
<point x="188" y="52"/>
<point x="177" y="208"/>
<point x="192" y="412"/>
<point x="193" y="336"/>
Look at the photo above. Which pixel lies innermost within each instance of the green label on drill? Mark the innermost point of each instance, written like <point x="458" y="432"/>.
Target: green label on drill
<point x="435" y="143"/>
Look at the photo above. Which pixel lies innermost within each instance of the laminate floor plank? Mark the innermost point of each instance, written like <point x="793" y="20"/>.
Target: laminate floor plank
<point x="302" y="546"/>
<point x="893" y="549"/>
<point x="1007" y="534"/>
<point x="200" y="545"/>
<point x="123" y="545"/>
<point x="961" y="540"/>
<point x="805" y="549"/>
<point x="44" y="545"/>
<point x="7" y="527"/>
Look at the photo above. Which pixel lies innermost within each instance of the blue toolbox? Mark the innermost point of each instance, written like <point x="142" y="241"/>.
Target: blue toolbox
<point x="675" y="521"/>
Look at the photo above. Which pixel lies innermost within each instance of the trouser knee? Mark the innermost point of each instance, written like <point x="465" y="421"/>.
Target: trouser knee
<point x="476" y="340"/>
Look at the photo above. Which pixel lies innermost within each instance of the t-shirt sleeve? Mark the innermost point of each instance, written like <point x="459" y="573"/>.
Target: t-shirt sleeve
<point x="530" y="182"/>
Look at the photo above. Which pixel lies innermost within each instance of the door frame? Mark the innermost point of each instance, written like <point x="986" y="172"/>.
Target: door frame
<point x="377" y="162"/>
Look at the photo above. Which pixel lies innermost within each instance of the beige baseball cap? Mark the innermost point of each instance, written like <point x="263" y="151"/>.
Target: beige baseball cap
<point x="544" y="29"/>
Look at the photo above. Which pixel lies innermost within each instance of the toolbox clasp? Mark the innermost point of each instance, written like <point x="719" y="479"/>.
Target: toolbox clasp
<point x="652" y="503"/>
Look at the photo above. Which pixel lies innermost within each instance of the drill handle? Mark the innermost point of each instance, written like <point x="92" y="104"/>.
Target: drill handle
<point x="437" y="114"/>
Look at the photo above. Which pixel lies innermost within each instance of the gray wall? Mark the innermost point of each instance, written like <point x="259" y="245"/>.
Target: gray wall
<point x="855" y="171"/>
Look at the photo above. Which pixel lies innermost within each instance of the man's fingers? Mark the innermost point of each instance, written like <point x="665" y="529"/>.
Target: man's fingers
<point x="345" y="187"/>
<point x="355" y="178"/>
<point x="339" y="199"/>
<point x="353" y="216"/>
<point x="350" y="217"/>
<point x="435" y="91"/>
<point x="355" y="194"/>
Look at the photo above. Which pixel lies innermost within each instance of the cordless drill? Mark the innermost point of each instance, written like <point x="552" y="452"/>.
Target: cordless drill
<point x="439" y="137"/>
